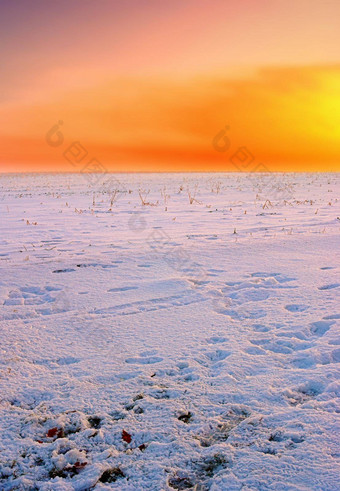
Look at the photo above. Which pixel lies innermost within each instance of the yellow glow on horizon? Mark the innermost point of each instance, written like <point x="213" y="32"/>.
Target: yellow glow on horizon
<point x="289" y="118"/>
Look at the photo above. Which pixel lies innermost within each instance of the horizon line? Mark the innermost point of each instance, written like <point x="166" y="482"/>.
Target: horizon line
<point x="171" y="172"/>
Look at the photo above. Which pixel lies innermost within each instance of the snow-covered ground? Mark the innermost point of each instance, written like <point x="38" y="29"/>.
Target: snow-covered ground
<point x="170" y="345"/>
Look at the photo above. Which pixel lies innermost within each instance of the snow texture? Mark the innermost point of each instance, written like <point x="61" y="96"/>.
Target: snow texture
<point x="190" y="342"/>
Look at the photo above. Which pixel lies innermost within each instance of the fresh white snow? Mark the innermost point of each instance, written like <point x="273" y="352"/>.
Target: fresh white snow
<point x="170" y="345"/>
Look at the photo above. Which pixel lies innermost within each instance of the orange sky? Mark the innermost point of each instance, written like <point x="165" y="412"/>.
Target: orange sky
<point x="146" y="85"/>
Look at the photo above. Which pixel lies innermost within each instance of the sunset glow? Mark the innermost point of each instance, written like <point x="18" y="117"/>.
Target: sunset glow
<point x="146" y="86"/>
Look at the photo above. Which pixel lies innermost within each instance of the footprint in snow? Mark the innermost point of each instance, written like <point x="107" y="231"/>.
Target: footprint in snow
<point x="329" y="287"/>
<point x="255" y="350"/>
<point x="336" y="355"/>
<point x="186" y="373"/>
<point x="218" y="355"/>
<point x="333" y="316"/>
<point x="144" y="360"/>
<point x="122" y="289"/>
<point x="296" y="396"/>
<point x="295" y="307"/>
<point x="319" y="328"/>
<point x="216" y="340"/>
